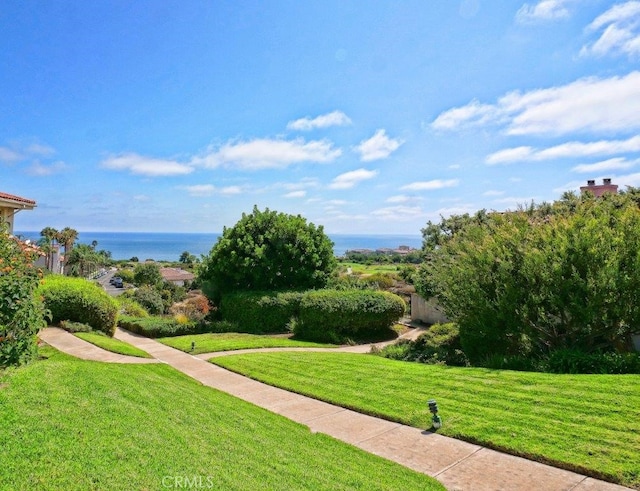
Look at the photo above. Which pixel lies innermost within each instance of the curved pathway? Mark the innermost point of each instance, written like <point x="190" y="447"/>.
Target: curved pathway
<point x="459" y="465"/>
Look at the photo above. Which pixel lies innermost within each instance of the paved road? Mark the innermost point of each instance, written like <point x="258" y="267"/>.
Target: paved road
<point x="108" y="287"/>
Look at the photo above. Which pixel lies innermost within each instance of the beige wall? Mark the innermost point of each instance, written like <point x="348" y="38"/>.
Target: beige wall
<point x="426" y="311"/>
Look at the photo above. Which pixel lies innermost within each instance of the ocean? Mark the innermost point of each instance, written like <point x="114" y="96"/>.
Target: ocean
<point x="169" y="246"/>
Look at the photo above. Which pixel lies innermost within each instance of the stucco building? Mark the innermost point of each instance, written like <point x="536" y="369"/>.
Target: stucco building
<point x="10" y="205"/>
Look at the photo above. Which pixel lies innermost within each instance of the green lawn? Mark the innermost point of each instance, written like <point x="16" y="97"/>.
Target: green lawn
<point x="587" y="423"/>
<point x="208" y="343"/>
<point x="111" y="344"/>
<point x="77" y="425"/>
<point x="367" y="269"/>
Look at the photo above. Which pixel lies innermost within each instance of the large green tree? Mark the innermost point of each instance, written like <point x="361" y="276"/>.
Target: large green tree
<point x="541" y="278"/>
<point x="267" y="250"/>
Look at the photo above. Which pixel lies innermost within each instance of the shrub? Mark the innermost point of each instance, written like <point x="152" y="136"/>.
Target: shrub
<point x="439" y="345"/>
<point x="128" y="306"/>
<point x="575" y="361"/>
<point x="196" y="307"/>
<point x="79" y="300"/>
<point x="338" y="316"/>
<point x="150" y="299"/>
<point x="126" y="275"/>
<point x="21" y="313"/>
<point x="158" y="327"/>
<point x="260" y="312"/>
<point x="71" y="326"/>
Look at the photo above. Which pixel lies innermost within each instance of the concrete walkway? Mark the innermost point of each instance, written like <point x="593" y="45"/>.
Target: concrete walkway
<point x="72" y="345"/>
<point x="460" y="466"/>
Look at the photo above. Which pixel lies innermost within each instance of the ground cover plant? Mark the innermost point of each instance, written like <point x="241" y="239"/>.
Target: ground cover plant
<point x="208" y="343"/>
<point x="111" y="344"/>
<point x="75" y="425"/>
<point x="587" y="423"/>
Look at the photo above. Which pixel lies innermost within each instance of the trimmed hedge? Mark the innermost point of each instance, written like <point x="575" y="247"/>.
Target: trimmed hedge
<point x="79" y="300"/>
<point x="260" y="312"/>
<point x="338" y="316"/>
<point x="160" y="327"/>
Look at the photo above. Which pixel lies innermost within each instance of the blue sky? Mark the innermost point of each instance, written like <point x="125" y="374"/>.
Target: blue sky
<point x="364" y="117"/>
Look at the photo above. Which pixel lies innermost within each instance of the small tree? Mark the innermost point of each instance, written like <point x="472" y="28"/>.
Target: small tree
<point x="147" y="274"/>
<point x="266" y="251"/>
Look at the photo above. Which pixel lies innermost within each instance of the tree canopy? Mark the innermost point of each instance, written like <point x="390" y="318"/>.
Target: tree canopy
<point x="545" y="277"/>
<point x="267" y="250"/>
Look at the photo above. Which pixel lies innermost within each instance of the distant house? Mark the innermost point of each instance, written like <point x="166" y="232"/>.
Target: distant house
<point x="599" y="189"/>
<point x="10" y="205"/>
<point x="176" y="276"/>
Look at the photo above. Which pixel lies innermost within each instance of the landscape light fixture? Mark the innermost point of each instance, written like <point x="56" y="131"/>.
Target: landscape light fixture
<point x="436" y="421"/>
<point x="193" y="345"/>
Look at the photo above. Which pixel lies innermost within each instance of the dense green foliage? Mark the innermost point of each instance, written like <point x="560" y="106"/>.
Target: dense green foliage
<point x="84" y="259"/>
<point x="541" y="279"/>
<point x="149" y="298"/>
<point x="156" y="327"/>
<point x="267" y="251"/>
<point x="21" y="313"/>
<point x="79" y="300"/>
<point x="587" y="423"/>
<point x="337" y="316"/>
<point x="439" y="345"/>
<point x="74" y="425"/>
<point x="147" y="274"/>
<point x="260" y="312"/>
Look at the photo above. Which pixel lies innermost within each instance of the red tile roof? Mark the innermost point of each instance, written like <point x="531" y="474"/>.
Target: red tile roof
<point x="18" y="199"/>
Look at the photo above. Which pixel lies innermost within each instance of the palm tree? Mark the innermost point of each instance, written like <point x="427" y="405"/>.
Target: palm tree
<point x="49" y="236"/>
<point x="67" y="236"/>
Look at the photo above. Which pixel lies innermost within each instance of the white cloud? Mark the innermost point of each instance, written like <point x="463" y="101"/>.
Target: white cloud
<point x="335" y="118"/>
<point x="40" y="150"/>
<point x="587" y="105"/>
<point x="401" y="198"/>
<point x="202" y="190"/>
<point x="264" y="153"/>
<point x="146" y="166"/>
<point x="39" y="169"/>
<point x="230" y="190"/>
<point x="606" y="165"/>
<point x="379" y="146"/>
<point x="493" y="193"/>
<point x="9" y="156"/>
<point x="398" y="213"/>
<point x="542" y="11"/>
<point x="565" y="150"/>
<point x="509" y="155"/>
<point x="350" y="179"/>
<point x="620" y="26"/>
<point x="295" y="194"/>
<point x="141" y="198"/>
<point x="430" y="185"/>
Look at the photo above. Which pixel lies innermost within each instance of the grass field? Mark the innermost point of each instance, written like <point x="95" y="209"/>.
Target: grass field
<point x="367" y="269"/>
<point x="208" y="343"/>
<point x="111" y="344"/>
<point x="587" y="423"/>
<point x="78" y="425"/>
